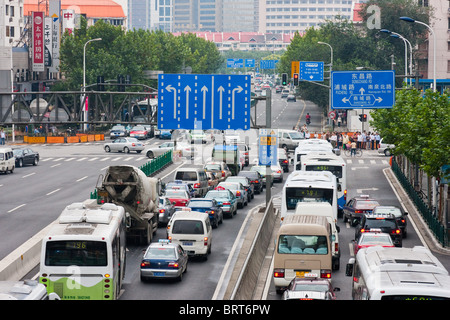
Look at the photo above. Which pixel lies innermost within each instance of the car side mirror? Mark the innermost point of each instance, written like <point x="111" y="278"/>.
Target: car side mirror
<point x="405" y="213"/>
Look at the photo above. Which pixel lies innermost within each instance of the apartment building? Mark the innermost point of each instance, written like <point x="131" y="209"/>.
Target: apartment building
<point x="11" y="22"/>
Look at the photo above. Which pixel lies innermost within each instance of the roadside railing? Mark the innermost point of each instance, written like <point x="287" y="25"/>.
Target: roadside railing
<point x="431" y="220"/>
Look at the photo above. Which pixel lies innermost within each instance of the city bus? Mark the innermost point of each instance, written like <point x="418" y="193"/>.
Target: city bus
<point x="327" y="161"/>
<point x="305" y="148"/>
<point x="83" y="255"/>
<point x="309" y="186"/>
<point x="381" y="273"/>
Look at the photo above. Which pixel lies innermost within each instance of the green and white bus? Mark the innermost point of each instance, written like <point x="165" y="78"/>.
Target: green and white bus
<point x="83" y="255"/>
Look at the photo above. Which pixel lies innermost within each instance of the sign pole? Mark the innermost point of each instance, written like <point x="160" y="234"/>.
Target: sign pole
<point x="268" y="126"/>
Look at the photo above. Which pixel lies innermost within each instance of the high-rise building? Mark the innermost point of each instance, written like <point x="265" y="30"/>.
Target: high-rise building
<point x="150" y="14"/>
<point x="11" y="22"/>
<point x="287" y="16"/>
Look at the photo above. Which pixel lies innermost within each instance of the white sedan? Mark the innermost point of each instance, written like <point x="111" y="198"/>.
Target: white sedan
<point x="125" y="145"/>
<point x="156" y="151"/>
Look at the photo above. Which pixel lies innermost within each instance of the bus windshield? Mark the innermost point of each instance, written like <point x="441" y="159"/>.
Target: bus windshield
<point x="294" y="195"/>
<point x="76" y="253"/>
<point x="335" y="170"/>
<point x="302" y="244"/>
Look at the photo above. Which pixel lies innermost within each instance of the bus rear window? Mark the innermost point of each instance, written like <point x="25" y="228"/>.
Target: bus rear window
<point x="76" y="253"/>
<point x="302" y="244"/>
<point x="294" y="195"/>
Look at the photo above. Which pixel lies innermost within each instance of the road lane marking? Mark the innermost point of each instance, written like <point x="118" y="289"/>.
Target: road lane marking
<point x="81" y="159"/>
<point x="28" y="175"/>
<point x="55" y="165"/>
<point x="18" y="207"/>
<point x="81" y="179"/>
<point x="52" y="192"/>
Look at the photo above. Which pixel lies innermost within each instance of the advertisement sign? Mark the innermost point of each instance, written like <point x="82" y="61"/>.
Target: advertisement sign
<point x="38" y="41"/>
<point x="48" y="41"/>
<point x="68" y="20"/>
<point x="54" y="9"/>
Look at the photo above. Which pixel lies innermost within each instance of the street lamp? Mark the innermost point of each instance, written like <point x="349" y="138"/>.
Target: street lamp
<point x="331" y="69"/>
<point x="408" y="19"/>
<point x="85" y="112"/>
<point x="405" y="41"/>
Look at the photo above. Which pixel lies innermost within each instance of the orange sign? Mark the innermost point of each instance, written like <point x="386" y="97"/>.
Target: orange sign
<point x="295" y="68"/>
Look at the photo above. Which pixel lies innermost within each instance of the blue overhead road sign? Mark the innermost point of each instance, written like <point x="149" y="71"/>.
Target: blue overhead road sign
<point x="362" y="89"/>
<point x="311" y="70"/>
<point x="196" y="101"/>
<point x="235" y="63"/>
<point x="268" y="146"/>
<point x="267" y="64"/>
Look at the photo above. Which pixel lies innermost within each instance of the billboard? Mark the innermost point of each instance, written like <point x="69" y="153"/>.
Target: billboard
<point x="37" y="41"/>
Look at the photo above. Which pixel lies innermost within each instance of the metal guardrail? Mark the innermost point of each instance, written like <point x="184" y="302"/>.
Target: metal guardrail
<point x="435" y="226"/>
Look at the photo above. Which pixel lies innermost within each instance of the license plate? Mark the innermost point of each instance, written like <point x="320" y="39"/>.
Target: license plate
<point x="159" y="274"/>
<point x="301" y="274"/>
<point x="187" y="243"/>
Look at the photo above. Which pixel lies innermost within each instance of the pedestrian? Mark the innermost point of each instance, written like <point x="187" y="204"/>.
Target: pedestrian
<point x="307" y="134"/>
<point x="333" y="140"/>
<point x="353" y="148"/>
<point x="377" y="140"/>
<point x="2" y="137"/>
<point x="339" y="121"/>
<point x="359" y="140"/>
<point x="345" y="141"/>
<point x="340" y="141"/>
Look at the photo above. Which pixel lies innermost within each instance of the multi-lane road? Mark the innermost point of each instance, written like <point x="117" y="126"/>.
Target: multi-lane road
<point x="34" y="196"/>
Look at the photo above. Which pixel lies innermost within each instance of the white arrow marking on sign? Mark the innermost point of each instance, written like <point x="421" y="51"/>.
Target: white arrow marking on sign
<point x="238" y="89"/>
<point x="220" y="90"/>
<point x="170" y="88"/>
<point x="311" y="76"/>
<point x="187" y="89"/>
<point x="204" y="90"/>
<point x="212" y="102"/>
<point x="361" y="91"/>
<point x="345" y="100"/>
<point x="379" y="99"/>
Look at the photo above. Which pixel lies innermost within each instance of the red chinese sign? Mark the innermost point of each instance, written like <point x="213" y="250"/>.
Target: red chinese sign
<point x="38" y="41"/>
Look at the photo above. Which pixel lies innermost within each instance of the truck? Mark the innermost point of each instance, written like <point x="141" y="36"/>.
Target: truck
<point x="129" y="187"/>
<point x="228" y="154"/>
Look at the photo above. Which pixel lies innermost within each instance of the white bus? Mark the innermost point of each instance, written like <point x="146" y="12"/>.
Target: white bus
<point x="381" y="273"/>
<point x="326" y="161"/>
<point x="83" y="255"/>
<point x="309" y="186"/>
<point x="306" y="148"/>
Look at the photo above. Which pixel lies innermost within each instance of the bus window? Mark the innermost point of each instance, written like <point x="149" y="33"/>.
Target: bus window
<point x="294" y="195"/>
<point x="302" y="244"/>
<point x="78" y="253"/>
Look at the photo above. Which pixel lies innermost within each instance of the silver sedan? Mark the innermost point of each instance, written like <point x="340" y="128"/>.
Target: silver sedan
<point x="125" y="145"/>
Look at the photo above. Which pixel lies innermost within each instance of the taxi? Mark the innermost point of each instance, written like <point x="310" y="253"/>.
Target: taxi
<point x="372" y="238"/>
<point x="178" y="197"/>
<point x="357" y="207"/>
<point x="164" y="259"/>
<point x="311" y="287"/>
<point x="225" y="199"/>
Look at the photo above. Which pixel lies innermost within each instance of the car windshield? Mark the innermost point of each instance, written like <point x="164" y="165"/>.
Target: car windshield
<point x="17" y="152"/>
<point x="231" y="186"/>
<point x="376" y="240"/>
<point x="132" y="140"/>
<point x="176" y="194"/>
<point x="138" y="128"/>
<point x="211" y="167"/>
<point x="384" y="210"/>
<point x="217" y="194"/>
<point x="160" y="253"/>
<point x="118" y="128"/>
<point x="200" y="204"/>
<point x="187" y="227"/>
<point x="244" y="181"/>
<point x="366" y="204"/>
<point x="380" y="223"/>
<point x="296" y="135"/>
<point x="186" y="175"/>
<point x="311" y="286"/>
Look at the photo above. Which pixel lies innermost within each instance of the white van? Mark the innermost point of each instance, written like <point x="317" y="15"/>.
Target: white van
<point x="194" y="176"/>
<point x="192" y="230"/>
<point x="7" y="160"/>
<point x="324" y="209"/>
<point x="289" y="139"/>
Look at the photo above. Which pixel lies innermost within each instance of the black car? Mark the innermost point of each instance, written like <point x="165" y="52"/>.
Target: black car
<point x="385" y="223"/>
<point x="398" y="214"/>
<point x="250" y="187"/>
<point x="25" y="156"/>
<point x="255" y="178"/>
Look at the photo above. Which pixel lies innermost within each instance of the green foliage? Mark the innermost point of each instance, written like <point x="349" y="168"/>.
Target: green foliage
<point x="131" y="53"/>
<point x="419" y="126"/>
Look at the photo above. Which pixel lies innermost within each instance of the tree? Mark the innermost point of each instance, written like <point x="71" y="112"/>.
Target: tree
<point x="419" y="126"/>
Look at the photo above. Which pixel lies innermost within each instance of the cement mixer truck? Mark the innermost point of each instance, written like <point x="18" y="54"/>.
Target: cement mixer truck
<point x="129" y="187"/>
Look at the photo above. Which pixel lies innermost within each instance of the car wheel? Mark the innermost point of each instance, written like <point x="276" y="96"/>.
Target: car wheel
<point x="20" y="163"/>
<point x="387" y="152"/>
<point x="126" y="150"/>
<point x="150" y="155"/>
<point x="36" y="161"/>
<point x="107" y="149"/>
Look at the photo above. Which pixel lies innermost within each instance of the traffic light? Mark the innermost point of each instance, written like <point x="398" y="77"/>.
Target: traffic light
<point x="363" y="117"/>
<point x="120" y="83"/>
<point x="100" y="83"/>
<point x="295" y="79"/>
<point x="284" y="79"/>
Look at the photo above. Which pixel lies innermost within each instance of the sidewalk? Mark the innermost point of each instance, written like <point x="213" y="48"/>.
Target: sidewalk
<point x="415" y="217"/>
